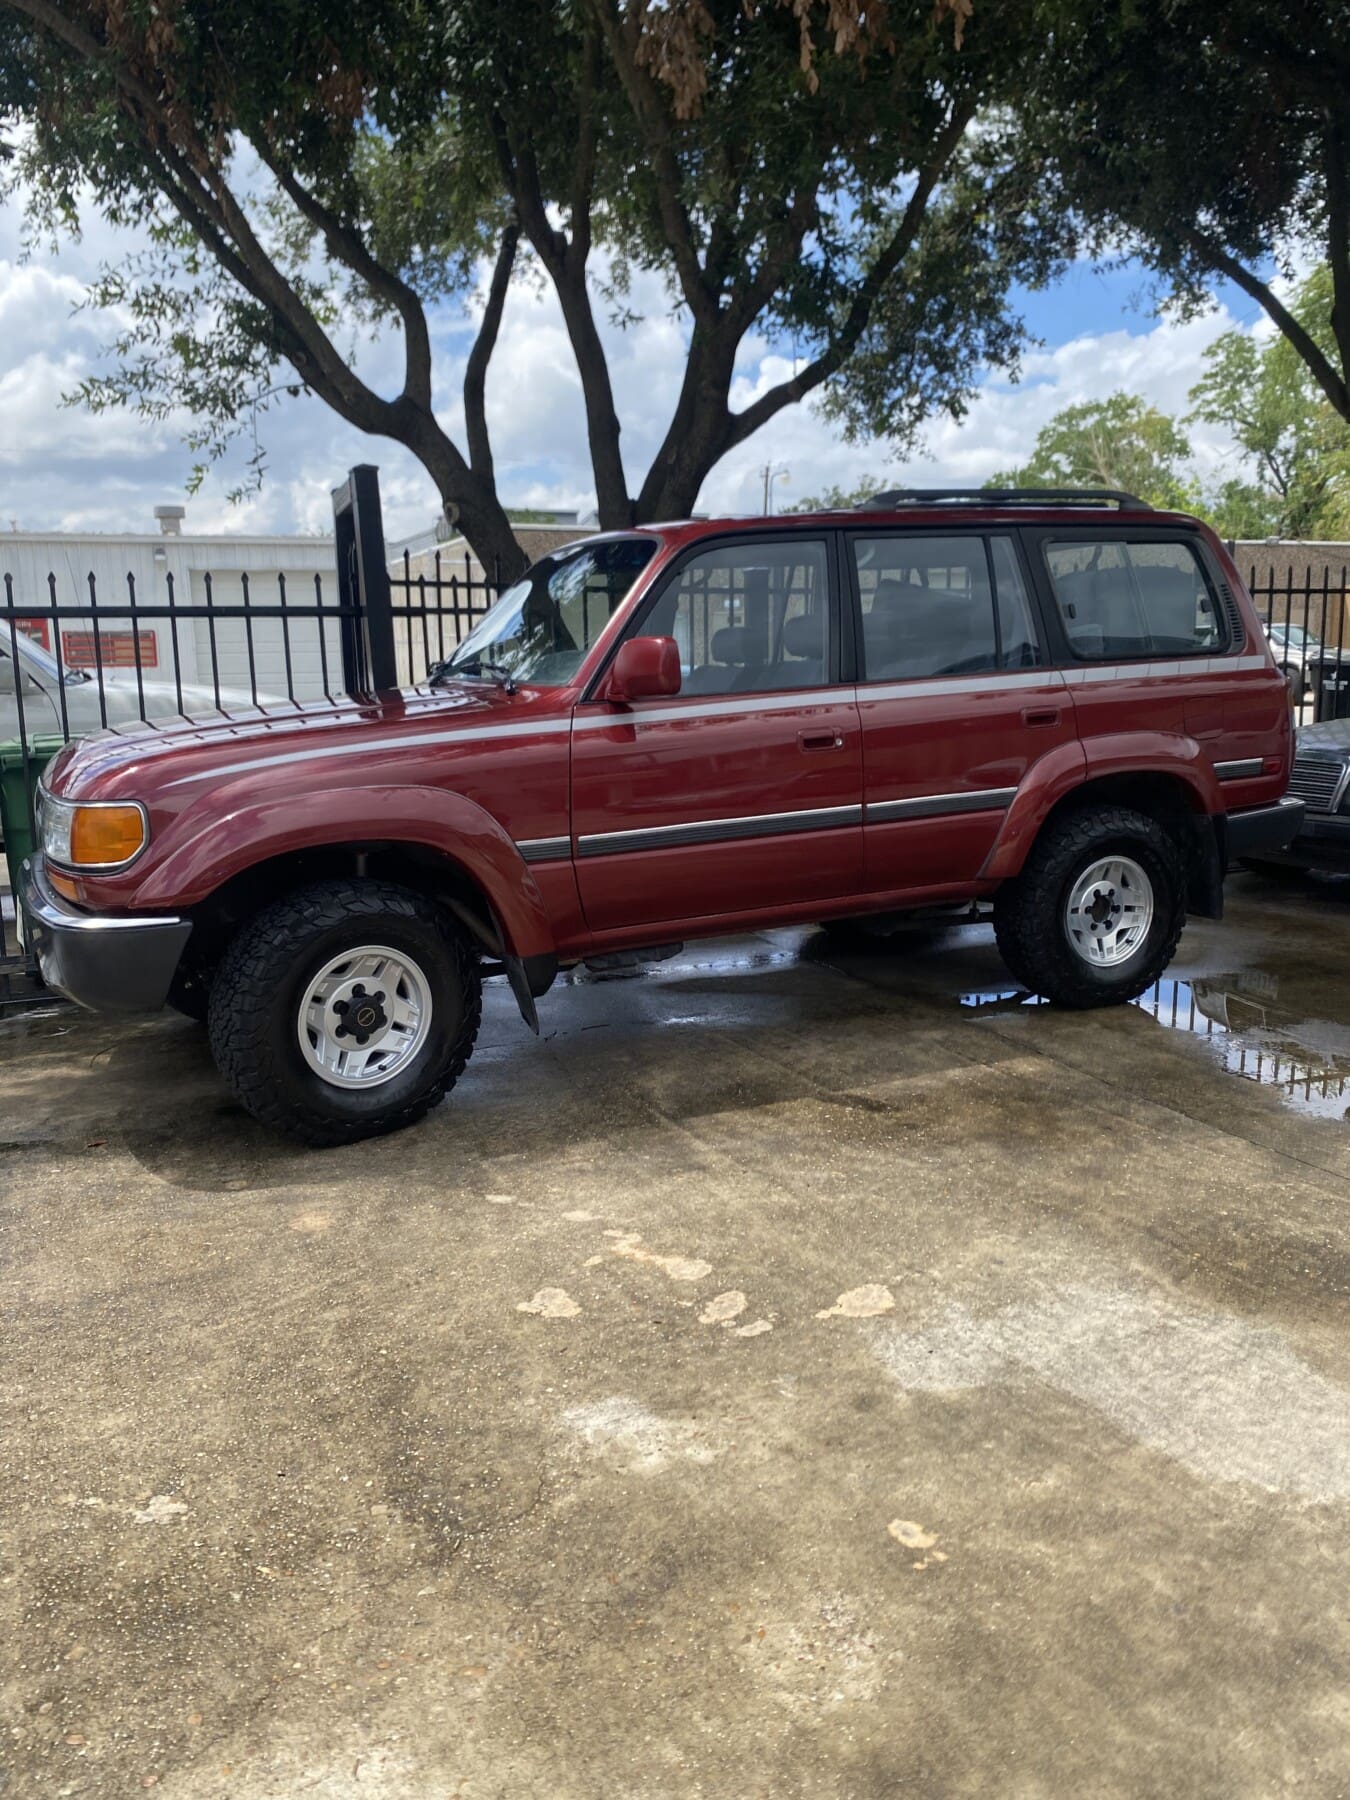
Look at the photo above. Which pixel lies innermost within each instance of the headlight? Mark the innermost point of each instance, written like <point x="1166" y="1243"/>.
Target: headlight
<point x="92" y="834"/>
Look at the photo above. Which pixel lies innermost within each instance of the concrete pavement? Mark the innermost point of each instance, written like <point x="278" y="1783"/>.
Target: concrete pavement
<point x="797" y="1374"/>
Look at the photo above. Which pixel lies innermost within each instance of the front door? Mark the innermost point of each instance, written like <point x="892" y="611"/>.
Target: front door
<point x="955" y="699"/>
<point x="744" y="791"/>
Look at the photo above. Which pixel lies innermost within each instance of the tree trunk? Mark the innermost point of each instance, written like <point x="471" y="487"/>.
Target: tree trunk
<point x="470" y="500"/>
<point x="613" y="505"/>
<point x="697" y="436"/>
<point x="483" y="521"/>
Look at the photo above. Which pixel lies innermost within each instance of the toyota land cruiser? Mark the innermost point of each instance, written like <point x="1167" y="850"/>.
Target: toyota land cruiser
<point x="1059" y="703"/>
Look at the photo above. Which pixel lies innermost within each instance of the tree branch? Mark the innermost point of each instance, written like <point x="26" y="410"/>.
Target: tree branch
<point x="475" y="372"/>
<point x="566" y="266"/>
<point x="1332" y="384"/>
<point x="653" y="116"/>
<point x="799" y="217"/>
<point x="1338" y="235"/>
<point x="843" y="342"/>
<point x="583" y="179"/>
<point x="347" y="246"/>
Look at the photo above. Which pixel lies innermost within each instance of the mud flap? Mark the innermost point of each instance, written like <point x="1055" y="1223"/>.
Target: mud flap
<point x="1204" y="877"/>
<point x="520" y="987"/>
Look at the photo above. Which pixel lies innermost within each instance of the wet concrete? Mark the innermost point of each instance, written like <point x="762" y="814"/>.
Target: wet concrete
<point x="798" y="1374"/>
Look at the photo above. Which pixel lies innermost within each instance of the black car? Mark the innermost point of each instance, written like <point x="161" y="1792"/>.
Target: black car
<point x="1321" y="779"/>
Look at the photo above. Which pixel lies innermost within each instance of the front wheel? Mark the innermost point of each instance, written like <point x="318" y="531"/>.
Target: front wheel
<point x="345" y="1010"/>
<point x="1094" y="917"/>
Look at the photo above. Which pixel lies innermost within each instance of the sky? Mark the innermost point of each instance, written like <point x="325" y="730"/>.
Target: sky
<point x="64" y="468"/>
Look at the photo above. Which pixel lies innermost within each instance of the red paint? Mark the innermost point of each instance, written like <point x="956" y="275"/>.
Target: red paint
<point x="557" y="764"/>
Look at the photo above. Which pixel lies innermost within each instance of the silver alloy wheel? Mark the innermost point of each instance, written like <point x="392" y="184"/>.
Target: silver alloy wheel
<point x="1109" y="911"/>
<point x="364" y="1017"/>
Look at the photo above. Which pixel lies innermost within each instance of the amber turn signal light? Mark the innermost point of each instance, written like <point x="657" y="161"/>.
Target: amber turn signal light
<point x="104" y="835"/>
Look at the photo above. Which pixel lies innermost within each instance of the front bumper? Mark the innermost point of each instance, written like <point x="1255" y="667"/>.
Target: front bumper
<point x="1263" y="830"/>
<point x="107" y="961"/>
<point x="1323" y="843"/>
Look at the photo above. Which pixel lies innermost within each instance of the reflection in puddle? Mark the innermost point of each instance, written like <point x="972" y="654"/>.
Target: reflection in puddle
<point x="1240" y="1020"/>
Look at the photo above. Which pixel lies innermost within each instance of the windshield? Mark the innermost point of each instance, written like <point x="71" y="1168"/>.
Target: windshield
<point x="37" y="661"/>
<point x="1292" y="634"/>
<point x="542" y="627"/>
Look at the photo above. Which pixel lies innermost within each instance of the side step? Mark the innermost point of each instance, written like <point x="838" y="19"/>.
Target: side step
<point x="632" y="959"/>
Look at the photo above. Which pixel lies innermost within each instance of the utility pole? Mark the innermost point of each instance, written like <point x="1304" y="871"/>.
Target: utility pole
<point x="772" y="472"/>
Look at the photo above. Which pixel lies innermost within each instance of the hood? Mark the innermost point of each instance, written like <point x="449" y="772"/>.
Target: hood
<point x="133" y="759"/>
<point x="1329" y="739"/>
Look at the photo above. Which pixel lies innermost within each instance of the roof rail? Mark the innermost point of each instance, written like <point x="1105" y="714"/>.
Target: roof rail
<point x="1004" y="497"/>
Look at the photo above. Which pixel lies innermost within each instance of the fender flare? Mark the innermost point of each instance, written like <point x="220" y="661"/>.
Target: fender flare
<point x="1073" y="765"/>
<point x="228" y="844"/>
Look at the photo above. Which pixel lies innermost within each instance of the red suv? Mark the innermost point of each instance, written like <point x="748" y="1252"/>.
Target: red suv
<point x="1060" y="703"/>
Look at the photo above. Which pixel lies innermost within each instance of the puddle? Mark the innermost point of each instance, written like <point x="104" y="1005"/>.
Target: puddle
<point x="1247" y="1028"/>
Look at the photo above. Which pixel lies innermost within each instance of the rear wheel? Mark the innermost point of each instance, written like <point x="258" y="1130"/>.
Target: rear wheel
<point x="1095" y="915"/>
<point x="345" y="1010"/>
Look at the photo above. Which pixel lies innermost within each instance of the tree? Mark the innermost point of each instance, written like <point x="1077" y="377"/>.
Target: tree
<point x="839" y="499"/>
<point x="1121" y="442"/>
<point x="1213" y="142"/>
<point x="1265" y="395"/>
<point x="302" y="169"/>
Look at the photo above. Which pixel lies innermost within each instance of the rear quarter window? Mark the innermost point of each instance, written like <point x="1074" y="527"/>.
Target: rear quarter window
<point x="1120" y="599"/>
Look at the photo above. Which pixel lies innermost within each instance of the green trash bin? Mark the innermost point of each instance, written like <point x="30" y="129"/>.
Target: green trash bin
<point x="15" y="801"/>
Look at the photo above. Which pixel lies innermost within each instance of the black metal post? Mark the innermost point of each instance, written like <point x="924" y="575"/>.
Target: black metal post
<point x="368" y="659"/>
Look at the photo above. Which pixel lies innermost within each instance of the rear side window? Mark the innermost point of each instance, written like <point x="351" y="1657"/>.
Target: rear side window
<point x="1120" y="599"/>
<point x="941" y="606"/>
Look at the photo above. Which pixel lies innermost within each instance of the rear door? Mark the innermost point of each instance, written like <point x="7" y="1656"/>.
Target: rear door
<point x="1154" y="643"/>
<point x="743" y="792"/>
<point x="955" y="697"/>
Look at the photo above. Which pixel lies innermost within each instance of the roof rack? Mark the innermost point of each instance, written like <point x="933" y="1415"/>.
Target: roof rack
<point x="1004" y="497"/>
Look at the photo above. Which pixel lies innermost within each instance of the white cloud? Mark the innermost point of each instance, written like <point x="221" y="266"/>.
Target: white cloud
<point x="64" y="467"/>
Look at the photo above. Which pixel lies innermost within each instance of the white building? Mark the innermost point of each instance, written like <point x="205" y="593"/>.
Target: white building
<point x="36" y="566"/>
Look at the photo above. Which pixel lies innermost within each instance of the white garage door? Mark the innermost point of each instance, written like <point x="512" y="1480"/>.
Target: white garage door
<point x="269" y="653"/>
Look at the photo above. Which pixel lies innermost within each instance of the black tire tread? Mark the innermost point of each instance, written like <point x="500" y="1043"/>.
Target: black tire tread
<point x="264" y="951"/>
<point x="1027" y="925"/>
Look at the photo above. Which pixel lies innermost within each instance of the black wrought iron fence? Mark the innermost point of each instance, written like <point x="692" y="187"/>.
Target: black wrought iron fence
<point x="122" y="659"/>
<point x="241" y="643"/>
<point x="435" y="599"/>
<point x="1306" y="615"/>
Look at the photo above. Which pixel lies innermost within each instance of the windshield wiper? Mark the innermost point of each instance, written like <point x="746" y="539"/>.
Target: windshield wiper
<point x="478" y="665"/>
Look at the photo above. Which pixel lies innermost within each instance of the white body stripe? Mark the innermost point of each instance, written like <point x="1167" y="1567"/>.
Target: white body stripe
<point x="420" y="740"/>
<point x="731" y="705"/>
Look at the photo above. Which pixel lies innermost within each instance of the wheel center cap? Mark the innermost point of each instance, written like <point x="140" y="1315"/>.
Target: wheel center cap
<point x="361" y="1015"/>
<point x="1103" y="906"/>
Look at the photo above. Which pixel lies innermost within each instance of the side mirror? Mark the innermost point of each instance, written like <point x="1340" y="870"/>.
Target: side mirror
<point x="644" y="669"/>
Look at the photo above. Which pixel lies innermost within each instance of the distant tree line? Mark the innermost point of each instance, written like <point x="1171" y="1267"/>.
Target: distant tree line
<point x="1292" y="474"/>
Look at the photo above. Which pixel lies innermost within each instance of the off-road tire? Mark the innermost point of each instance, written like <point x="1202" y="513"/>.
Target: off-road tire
<point x="1029" y="910"/>
<point x="256" y="994"/>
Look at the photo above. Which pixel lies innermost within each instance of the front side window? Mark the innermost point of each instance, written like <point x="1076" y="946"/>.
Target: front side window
<point x="542" y="627"/>
<point x="941" y="606"/>
<point x="749" y="618"/>
<point x="1121" y="599"/>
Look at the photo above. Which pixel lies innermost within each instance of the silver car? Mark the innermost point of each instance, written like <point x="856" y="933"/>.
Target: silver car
<point x="66" y="703"/>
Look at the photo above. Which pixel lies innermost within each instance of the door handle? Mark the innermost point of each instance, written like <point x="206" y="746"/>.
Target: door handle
<point x="1040" y="715"/>
<point x="820" y="740"/>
